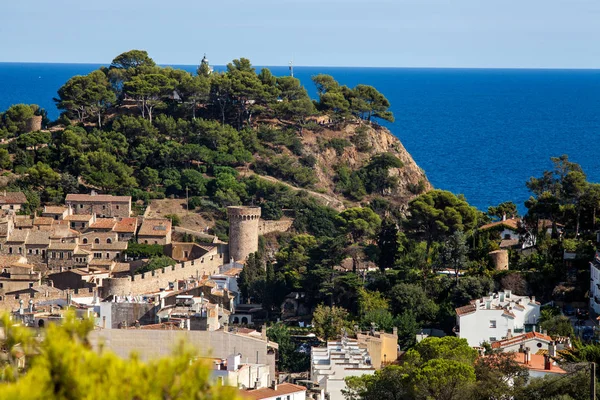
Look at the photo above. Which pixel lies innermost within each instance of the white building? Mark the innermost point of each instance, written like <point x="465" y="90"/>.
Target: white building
<point x="532" y="341"/>
<point x="332" y="364"/>
<point x="232" y="372"/>
<point x="283" y="391"/>
<point x="595" y="284"/>
<point x="496" y="317"/>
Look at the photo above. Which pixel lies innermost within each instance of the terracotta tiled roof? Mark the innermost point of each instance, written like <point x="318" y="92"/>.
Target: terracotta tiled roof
<point x="12" y="198"/>
<point x="155" y="227"/>
<point x="266" y="393"/>
<point x="98" y="198"/>
<point x="62" y="246"/>
<point x="38" y="237"/>
<point x="6" y="259"/>
<point x="519" y="339"/>
<point x="103" y="223"/>
<point x="511" y="223"/>
<point x="18" y="236"/>
<point x="536" y="363"/>
<point x="54" y="209"/>
<point x="465" y="309"/>
<point x="23" y="222"/>
<point x="79" y="218"/>
<point x="506" y="243"/>
<point x="126" y="225"/>
<point x="43" y="221"/>
<point x="109" y="246"/>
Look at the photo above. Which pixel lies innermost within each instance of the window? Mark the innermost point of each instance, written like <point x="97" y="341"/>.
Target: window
<point x="492" y="339"/>
<point x="81" y="206"/>
<point x="61" y="255"/>
<point x="155" y="242"/>
<point x="72" y="224"/>
<point x="12" y="207"/>
<point x="30" y="251"/>
<point x="97" y="255"/>
<point x="97" y="241"/>
<point x="108" y="240"/>
<point x="84" y="240"/>
<point x="539" y="345"/>
<point x="30" y="284"/>
<point x="10" y="250"/>
<point x="493" y="324"/>
<point x="20" y="250"/>
<point x="104" y="207"/>
<point x="117" y="207"/>
<point x="107" y="255"/>
<point x="1" y="285"/>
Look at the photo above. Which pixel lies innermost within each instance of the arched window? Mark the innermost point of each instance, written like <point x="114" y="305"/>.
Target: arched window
<point x="108" y="240"/>
<point x="145" y="242"/>
<point x="244" y="320"/>
<point x="84" y="240"/>
<point x="97" y="241"/>
<point x="41" y="323"/>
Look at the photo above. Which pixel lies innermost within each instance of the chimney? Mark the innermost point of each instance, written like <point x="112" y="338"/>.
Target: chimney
<point x="274" y="385"/>
<point x="509" y="334"/>
<point x="552" y="349"/>
<point x="395" y="331"/>
<point x="547" y="363"/>
<point x="504" y="217"/>
<point x="521" y="348"/>
<point x="527" y="357"/>
<point x="21" y="307"/>
<point x="30" y="306"/>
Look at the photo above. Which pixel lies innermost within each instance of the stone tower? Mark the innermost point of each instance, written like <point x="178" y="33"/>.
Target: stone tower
<point x="243" y="231"/>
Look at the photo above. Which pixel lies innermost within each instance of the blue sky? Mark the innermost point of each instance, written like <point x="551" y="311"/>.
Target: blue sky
<point x="378" y="33"/>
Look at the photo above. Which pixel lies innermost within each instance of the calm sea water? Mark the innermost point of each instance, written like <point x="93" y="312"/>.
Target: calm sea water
<point x="481" y="133"/>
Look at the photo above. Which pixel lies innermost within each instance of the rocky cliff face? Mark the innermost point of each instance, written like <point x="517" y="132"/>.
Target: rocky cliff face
<point x="363" y="141"/>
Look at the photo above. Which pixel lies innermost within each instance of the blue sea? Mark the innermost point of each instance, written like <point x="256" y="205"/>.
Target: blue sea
<point x="479" y="132"/>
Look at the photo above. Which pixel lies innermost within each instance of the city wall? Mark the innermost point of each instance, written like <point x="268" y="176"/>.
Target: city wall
<point x="283" y="225"/>
<point x="158" y="279"/>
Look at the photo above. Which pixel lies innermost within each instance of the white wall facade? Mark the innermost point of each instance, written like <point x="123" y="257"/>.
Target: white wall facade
<point x="496" y="317"/>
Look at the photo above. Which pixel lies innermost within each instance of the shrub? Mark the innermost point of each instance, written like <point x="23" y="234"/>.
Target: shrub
<point x="175" y="219"/>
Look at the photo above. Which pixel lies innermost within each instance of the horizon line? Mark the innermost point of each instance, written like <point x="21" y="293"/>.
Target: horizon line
<point x="329" y="66"/>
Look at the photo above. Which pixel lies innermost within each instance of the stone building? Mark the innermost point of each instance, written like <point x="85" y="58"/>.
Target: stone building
<point x="155" y="231"/>
<point x="243" y="231"/>
<point x="102" y="205"/>
<point x="12" y="200"/>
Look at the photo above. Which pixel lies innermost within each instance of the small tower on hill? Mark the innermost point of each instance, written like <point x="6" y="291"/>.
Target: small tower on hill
<point x="243" y="231"/>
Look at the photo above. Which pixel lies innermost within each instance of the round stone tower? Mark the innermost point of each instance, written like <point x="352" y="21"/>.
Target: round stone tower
<point x="499" y="259"/>
<point x="243" y="231"/>
<point x="116" y="287"/>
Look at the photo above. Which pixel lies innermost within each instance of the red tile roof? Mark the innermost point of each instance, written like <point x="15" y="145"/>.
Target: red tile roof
<point x="12" y="198"/>
<point x="466" y="309"/>
<point x="536" y="363"/>
<point x="155" y="227"/>
<point x="520" y="339"/>
<point x="98" y="198"/>
<point x="103" y="223"/>
<point x="126" y="225"/>
<point x="54" y="209"/>
<point x="43" y="221"/>
<point x="266" y="393"/>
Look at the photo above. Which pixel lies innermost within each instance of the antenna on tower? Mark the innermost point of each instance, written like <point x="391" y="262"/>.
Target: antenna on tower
<point x="292" y="68"/>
